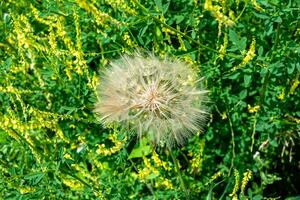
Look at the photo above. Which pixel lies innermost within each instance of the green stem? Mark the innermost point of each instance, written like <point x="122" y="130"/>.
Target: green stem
<point x="264" y="86"/>
<point x="246" y="3"/>
<point x="233" y="142"/>
<point x="226" y="188"/>
<point x="268" y="75"/>
<point x="178" y="173"/>
<point x="22" y="138"/>
<point x="253" y="132"/>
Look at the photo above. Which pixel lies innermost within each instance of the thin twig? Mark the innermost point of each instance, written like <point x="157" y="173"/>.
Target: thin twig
<point x="178" y="172"/>
<point x="236" y="19"/>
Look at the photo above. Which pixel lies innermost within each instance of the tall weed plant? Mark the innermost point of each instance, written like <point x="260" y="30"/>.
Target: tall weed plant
<point x="53" y="146"/>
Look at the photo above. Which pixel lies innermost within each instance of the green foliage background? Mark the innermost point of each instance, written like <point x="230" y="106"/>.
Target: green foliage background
<point x="53" y="147"/>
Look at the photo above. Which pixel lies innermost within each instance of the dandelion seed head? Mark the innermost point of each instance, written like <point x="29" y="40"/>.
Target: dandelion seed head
<point x="160" y="98"/>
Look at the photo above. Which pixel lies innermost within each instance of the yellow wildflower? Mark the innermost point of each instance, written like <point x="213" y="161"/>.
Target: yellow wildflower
<point x="281" y="96"/>
<point x="25" y="190"/>
<point x="253" y="109"/>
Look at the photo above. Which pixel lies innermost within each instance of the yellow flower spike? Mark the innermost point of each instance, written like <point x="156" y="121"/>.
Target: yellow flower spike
<point x="208" y="5"/>
<point x="48" y="21"/>
<point x="149" y="166"/>
<point x="25" y="190"/>
<point x="223" y="47"/>
<point x="146" y="161"/>
<point x="72" y="184"/>
<point x="81" y="66"/>
<point x="180" y="40"/>
<point x="25" y="45"/>
<point x="17" y="129"/>
<point x="236" y="185"/>
<point x="96" y="162"/>
<point x="256" y="6"/>
<point x="158" y="162"/>
<point x="95" y="81"/>
<point x="143" y="174"/>
<point x="60" y="26"/>
<point x="215" y="11"/>
<point x="249" y="55"/>
<point x="68" y="70"/>
<point x="101" y="17"/>
<point x="196" y="161"/>
<point x="167" y="183"/>
<point x="121" y="5"/>
<point x="60" y="134"/>
<point x="102" y="150"/>
<point x="295" y="84"/>
<point x="215" y="176"/>
<point x="83" y="172"/>
<point x="164" y="183"/>
<point x="189" y="60"/>
<point x="246" y="178"/>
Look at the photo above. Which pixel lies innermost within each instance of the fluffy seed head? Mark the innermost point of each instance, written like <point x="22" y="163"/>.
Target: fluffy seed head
<point x="159" y="98"/>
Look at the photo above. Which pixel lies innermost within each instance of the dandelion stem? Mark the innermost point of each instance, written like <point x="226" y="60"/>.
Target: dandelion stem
<point x="178" y="172"/>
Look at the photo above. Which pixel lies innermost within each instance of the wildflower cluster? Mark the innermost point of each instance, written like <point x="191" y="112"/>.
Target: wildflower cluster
<point x="216" y="12"/>
<point x="53" y="52"/>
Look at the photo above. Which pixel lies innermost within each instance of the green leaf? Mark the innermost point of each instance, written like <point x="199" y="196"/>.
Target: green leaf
<point x="233" y="76"/>
<point x="158" y="33"/>
<point x="35" y="178"/>
<point x="243" y="94"/>
<point x="247" y="80"/>
<point x="257" y="197"/>
<point x="3" y="136"/>
<point x="143" y="149"/>
<point x="152" y="176"/>
<point x="293" y="198"/>
<point x="233" y="37"/>
<point x="291" y="68"/>
<point x="159" y="5"/>
<point x="242" y="44"/>
<point x="260" y="50"/>
<point x="179" y="18"/>
<point x="262" y="16"/>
